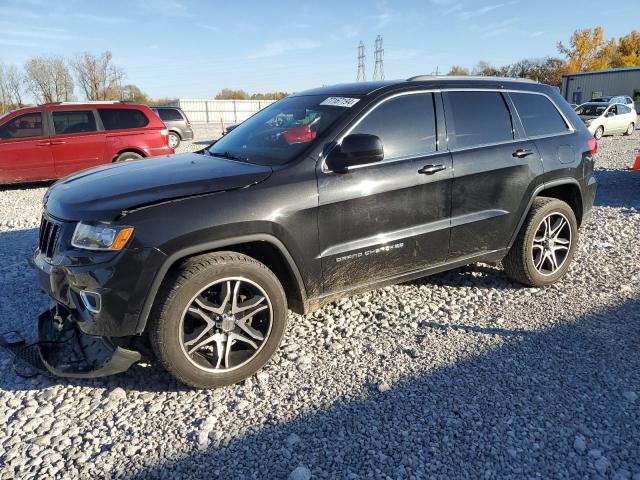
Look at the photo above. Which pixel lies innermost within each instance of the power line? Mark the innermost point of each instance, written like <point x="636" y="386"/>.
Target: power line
<point x="378" y="70"/>
<point x="362" y="75"/>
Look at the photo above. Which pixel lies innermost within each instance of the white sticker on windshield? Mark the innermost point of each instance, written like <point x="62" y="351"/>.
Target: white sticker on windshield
<point x="340" y="102"/>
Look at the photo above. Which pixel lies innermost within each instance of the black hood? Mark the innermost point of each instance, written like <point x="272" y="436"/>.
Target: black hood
<point x="103" y="193"/>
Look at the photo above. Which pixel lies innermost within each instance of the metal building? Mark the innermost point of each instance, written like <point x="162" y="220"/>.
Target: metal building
<point x="582" y="87"/>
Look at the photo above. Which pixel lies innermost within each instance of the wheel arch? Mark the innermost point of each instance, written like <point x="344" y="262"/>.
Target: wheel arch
<point x="566" y="189"/>
<point x="265" y="248"/>
<point x="128" y="150"/>
<point x="176" y="131"/>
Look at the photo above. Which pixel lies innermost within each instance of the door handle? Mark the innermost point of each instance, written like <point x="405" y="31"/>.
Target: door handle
<point x="522" y="153"/>
<point x="58" y="142"/>
<point x="43" y="144"/>
<point x="431" y="169"/>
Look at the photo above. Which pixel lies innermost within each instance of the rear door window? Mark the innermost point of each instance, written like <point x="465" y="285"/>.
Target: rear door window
<point x="405" y="124"/>
<point x="122" y="118"/>
<point x="169" y="114"/>
<point x="623" y="109"/>
<point x="74" y="121"/>
<point x="538" y="115"/>
<point x="479" y="118"/>
<point x="24" y="126"/>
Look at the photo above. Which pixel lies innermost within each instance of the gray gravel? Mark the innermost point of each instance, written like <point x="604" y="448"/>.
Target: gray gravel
<point x="461" y="375"/>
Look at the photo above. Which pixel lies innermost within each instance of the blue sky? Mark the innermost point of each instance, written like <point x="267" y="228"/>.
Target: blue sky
<point x="192" y="49"/>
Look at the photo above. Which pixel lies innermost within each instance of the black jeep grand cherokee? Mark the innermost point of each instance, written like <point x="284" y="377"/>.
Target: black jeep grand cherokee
<point x="324" y="193"/>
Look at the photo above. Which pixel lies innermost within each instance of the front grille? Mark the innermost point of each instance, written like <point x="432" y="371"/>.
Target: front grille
<point x="48" y="240"/>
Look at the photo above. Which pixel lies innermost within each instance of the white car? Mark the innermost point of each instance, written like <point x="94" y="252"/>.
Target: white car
<point x="604" y="119"/>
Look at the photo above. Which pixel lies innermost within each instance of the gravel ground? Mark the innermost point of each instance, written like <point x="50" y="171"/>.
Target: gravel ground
<point x="461" y="375"/>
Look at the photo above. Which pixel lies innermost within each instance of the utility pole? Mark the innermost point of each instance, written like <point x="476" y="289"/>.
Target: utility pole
<point x="378" y="70"/>
<point x="362" y="76"/>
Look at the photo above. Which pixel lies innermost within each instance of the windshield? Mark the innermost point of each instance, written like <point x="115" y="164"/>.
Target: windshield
<point x="278" y="133"/>
<point x="591" y="110"/>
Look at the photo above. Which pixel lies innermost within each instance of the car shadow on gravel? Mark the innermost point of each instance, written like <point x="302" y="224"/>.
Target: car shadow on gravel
<point x="618" y="188"/>
<point x="513" y="411"/>
<point x="26" y="186"/>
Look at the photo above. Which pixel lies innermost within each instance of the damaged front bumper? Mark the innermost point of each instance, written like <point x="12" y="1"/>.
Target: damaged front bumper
<point x="65" y="351"/>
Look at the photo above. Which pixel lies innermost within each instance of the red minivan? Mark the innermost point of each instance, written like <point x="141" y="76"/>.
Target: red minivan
<point x="54" y="140"/>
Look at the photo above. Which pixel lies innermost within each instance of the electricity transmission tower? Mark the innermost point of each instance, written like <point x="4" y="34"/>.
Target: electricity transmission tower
<point x="362" y="76"/>
<point x="378" y="70"/>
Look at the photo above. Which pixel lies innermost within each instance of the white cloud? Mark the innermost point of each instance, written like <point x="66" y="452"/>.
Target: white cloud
<point x="277" y="48"/>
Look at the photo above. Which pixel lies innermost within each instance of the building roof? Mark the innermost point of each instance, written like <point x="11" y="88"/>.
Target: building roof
<point x="609" y="70"/>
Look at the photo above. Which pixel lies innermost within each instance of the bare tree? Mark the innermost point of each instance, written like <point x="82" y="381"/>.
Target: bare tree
<point x="48" y="79"/>
<point x="98" y="77"/>
<point x="11" y="87"/>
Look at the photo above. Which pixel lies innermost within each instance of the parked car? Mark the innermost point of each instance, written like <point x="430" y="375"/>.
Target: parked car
<point x="54" y="140"/>
<point x="606" y="119"/>
<point x="177" y="123"/>
<point x="623" y="99"/>
<point x="325" y="193"/>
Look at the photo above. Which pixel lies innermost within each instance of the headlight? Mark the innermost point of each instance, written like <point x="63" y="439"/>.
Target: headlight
<point x="101" y="236"/>
<point x="588" y="122"/>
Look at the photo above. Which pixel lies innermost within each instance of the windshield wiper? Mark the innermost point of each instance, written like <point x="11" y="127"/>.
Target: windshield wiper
<point x="229" y="156"/>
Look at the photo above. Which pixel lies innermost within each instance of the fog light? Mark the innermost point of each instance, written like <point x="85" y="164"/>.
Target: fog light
<point x="92" y="301"/>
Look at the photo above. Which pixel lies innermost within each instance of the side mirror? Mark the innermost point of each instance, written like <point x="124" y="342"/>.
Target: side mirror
<point x="356" y="149"/>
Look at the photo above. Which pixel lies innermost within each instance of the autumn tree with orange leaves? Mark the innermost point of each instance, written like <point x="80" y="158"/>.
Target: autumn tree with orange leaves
<point x="589" y="50"/>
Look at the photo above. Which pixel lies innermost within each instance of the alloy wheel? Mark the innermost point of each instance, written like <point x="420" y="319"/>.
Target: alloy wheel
<point x="551" y="243"/>
<point x="173" y="140"/>
<point x="226" y="324"/>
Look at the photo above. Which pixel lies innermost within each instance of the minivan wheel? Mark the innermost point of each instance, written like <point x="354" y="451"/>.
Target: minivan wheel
<point x="127" y="156"/>
<point x="174" y="139"/>
<point x="630" y="129"/>
<point x="219" y="318"/>
<point x="598" y="133"/>
<point x="545" y="245"/>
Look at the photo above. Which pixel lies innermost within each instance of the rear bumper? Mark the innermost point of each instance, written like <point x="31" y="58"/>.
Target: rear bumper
<point x="67" y="352"/>
<point x="588" y="197"/>
<point x="186" y="134"/>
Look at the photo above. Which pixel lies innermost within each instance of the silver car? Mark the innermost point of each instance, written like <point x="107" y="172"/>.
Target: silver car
<point x="177" y="123"/>
<point x="606" y="119"/>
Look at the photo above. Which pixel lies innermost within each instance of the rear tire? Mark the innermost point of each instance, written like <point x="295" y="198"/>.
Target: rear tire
<point x="545" y="245"/>
<point x="174" y="140"/>
<point x="630" y="129"/>
<point x="218" y="319"/>
<point x="598" y="133"/>
<point x="127" y="156"/>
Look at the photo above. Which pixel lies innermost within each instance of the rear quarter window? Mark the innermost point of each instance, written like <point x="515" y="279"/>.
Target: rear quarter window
<point x="169" y="114"/>
<point x="122" y="118"/>
<point x="538" y="115"/>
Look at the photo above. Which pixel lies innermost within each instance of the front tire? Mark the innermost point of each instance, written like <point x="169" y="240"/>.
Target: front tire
<point x="630" y="129"/>
<point x="598" y="133"/>
<point x="174" y="140"/>
<point x="219" y="319"/>
<point x="545" y="245"/>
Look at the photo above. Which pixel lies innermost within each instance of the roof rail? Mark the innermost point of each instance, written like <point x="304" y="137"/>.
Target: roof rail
<point x="419" y="78"/>
<point x="100" y="102"/>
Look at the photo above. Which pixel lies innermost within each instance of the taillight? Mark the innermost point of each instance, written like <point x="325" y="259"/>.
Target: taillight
<point x="164" y="133"/>
<point x="593" y="145"/>
<point x="188" y="124"/>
